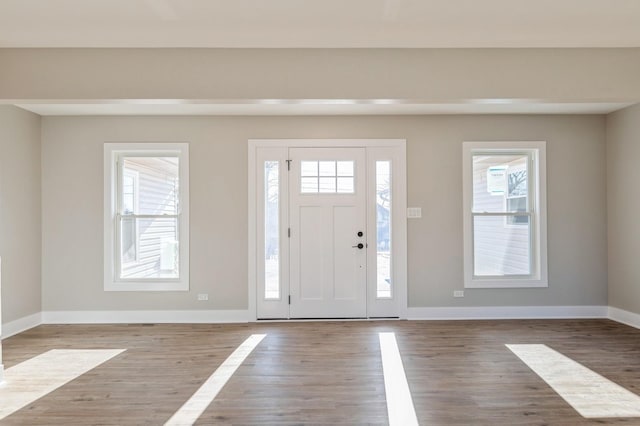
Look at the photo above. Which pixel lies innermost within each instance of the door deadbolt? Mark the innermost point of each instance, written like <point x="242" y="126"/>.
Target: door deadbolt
<point x="360" y="233"/>
<point x="359" y="246"/>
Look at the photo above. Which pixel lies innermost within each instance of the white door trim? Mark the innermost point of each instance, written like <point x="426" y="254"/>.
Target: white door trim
<point x="400" y="203"/>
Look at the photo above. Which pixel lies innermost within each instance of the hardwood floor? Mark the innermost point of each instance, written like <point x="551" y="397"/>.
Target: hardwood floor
<point x="459" y="372"/>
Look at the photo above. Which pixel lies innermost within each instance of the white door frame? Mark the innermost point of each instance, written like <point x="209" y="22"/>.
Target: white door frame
<point x="377" y="149"/>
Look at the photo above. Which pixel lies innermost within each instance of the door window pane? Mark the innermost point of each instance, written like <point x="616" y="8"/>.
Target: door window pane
<point x="327" y="168"/>
<point x="308" y="185"/>
<point x="345" y="168"/>
<point x="345" y="185"/>
<point x="383" y="225"/>
<point x="271" y="230"/>
<point x="328" y="177"/>
<point x="328" y="184"/>
<point x="308" y="168"/>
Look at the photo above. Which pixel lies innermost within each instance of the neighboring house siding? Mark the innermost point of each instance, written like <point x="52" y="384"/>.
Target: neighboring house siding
<point x="500" y="248"/>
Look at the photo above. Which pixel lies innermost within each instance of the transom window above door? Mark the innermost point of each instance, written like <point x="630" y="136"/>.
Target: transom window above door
<point x="329" y="177"/>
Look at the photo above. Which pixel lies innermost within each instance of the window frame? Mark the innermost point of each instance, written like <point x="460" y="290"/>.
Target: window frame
<point x="113" y="152"/>
<point x="537" y="213"/>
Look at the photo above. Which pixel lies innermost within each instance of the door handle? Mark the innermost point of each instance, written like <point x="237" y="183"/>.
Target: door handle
<point x="359" y="246"/>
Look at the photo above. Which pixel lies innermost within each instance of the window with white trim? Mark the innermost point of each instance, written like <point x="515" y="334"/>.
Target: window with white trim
<point x="504" y="214"/>
<point x="146" y="217"/>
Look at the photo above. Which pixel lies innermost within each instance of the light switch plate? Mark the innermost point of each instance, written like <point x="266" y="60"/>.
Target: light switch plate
<point x="414" y="212"/>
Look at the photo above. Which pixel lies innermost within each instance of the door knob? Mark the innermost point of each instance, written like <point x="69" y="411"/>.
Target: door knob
<point x="360" y="246"/>
<point x="360" y="233"/>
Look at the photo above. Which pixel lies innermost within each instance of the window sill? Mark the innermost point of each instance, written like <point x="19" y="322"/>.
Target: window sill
<point x="147" y="286"/>
<point x="493" y="283"/>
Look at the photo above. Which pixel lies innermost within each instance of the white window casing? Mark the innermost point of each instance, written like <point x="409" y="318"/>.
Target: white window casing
<point x="525" y="207"/>
<point x="156" y="259"/>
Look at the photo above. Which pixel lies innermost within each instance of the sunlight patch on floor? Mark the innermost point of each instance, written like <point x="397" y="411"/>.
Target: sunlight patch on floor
<point x="590" y="394"/>
<point x="195" y="406"/>
<point x="38" y="376"/>
<point x="399" y="403"/>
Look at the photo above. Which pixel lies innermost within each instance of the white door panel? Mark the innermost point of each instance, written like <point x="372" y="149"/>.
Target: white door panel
<point x="346" y="260"/>
<point x="311" y="249"/>
<point x="327" y="210"/>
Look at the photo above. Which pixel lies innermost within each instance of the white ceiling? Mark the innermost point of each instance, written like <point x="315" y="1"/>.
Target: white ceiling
<point x="320" y="23"/>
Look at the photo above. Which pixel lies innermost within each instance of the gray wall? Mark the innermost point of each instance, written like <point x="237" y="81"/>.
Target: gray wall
<point x="623" y="203"/>
<point x="73" y="185"/>
<point x="20" y="213"/>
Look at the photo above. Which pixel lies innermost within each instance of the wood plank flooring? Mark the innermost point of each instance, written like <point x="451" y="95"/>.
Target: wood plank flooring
<point x="459" y="372"/>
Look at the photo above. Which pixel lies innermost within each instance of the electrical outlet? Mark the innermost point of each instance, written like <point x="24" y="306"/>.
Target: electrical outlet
<point x="458" y="293"/>
<point x="203" y="296"/>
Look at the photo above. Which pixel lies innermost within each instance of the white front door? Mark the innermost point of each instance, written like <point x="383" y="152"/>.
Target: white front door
<point x="328" y="241"/>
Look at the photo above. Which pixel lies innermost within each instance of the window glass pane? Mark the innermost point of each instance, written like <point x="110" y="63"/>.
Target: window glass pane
<point x="308" y="168"/>
<point x="157" y="184"/>
<point x="128" y="240"/>
<point x="345" y="185"/>
<point x="517" y="204"/>
<point x="129" y="181"/>
<point x="383" y="225"/>
<point x="497" y="178"/>
<point x="500" y="249"/>
<point x="327" y="168"/>
<point x="157" y="248"/>
<point x="308" y="185"/>
<point x="345" y="168"/>
<point x="271" y="230"/>
<point x="327" y="184"/>
<point x="517" y="181"/>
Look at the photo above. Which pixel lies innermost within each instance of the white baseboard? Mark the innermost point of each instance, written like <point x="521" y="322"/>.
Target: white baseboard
<point x="21" y="324"/>
<point x="625" y="317"/>
<point x="506" y="312"/>
<point x="119" y="317"/>
<point x="241" y="316"/>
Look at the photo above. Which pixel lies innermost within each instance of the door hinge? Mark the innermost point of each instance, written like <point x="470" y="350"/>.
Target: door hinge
<point x="288" y="164"/>
<point x="289" y="299"/>
<point x="289" y="232"/>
